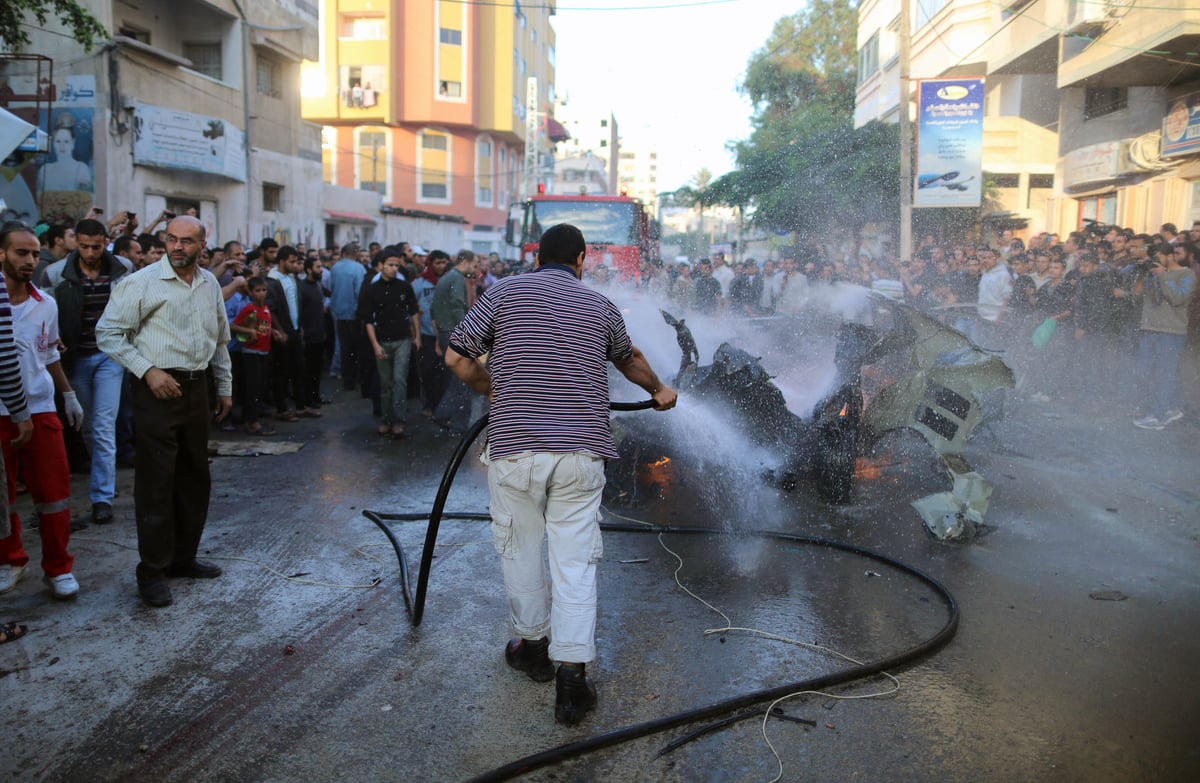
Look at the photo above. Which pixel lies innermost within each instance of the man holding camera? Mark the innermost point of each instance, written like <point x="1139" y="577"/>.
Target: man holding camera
<point x="1167" y="287"/>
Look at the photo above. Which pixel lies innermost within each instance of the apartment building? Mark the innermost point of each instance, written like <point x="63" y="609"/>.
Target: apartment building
<point x="194" y="104"/>
<point x="956" y="39"/>
<point x="1092" y="110"/>
<point x="637" y="174"/>
<point x="588" y="159"/>
<point x="1129" y="89"/>
<point x="423" y="104"/>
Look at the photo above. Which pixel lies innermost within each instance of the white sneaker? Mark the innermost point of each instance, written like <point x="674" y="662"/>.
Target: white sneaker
<point x="9" y="576"/>
<point x="1172" y="416"/>
<point x="63" y="586"/>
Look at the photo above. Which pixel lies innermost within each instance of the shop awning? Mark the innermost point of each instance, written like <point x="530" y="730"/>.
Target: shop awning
<point x="338" y="216"/>
<point x="555" y="130"/>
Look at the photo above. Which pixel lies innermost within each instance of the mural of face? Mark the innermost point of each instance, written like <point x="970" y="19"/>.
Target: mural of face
<point x="64" y="144"/>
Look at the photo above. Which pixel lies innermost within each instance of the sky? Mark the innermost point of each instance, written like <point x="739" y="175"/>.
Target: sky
<point x="668" y="70"/>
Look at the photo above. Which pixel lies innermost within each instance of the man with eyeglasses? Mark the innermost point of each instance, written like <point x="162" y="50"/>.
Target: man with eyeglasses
<point x="166" y="324"/>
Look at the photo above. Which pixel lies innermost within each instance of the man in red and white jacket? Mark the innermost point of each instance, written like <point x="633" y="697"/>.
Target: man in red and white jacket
<point x="44" y="456"/>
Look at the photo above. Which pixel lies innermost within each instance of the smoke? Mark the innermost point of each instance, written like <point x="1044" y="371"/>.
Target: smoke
<point x="795" y="346"/>
<point x="724" y="468"/>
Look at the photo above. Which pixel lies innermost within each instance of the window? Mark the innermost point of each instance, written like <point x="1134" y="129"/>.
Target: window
<point x="522" y="65"/>
<point x="329" y="141"/>
<point x="451" y="68"/>
<point x="927" y="9"/>
<point x="272" y="197"/>
<point x="433" y="166"/>
<point x="372" y="161"/>
<point x="484" y="173"/>
<point x="1102" y="209"/>
<point x="136" y="33"/>
<point x="360" y="85"/>
<point x="1099" y="101"/>
<point x="868" y="58"/>
<point x="533" y="34"/>
<point x="550" y="55"/>
<point x="603" y="123"/>
<point x="205" y="57"/>
<point x="268" y="76"/>
<point x="362" y="27"/>
<point x="603" y="142"/>
<point x="502" y="177"/>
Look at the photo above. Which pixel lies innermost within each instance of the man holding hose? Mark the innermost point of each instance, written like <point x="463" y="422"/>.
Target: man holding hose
<point x="549" y="340"/>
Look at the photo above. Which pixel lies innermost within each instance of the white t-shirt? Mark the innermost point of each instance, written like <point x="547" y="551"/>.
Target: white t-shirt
<point x="35" y="329"/>
<point x="995" y="288"/>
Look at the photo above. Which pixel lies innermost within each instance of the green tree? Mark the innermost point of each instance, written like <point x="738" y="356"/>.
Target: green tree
<point x="805" y="167"/>
<point x="14" y="14"/>
<point x="810" y="57"/>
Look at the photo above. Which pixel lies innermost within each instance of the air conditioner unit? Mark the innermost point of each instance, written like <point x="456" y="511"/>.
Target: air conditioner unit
<point x="1087" y="15"/>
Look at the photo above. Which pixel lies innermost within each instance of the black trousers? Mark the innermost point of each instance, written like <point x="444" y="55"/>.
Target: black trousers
<point x="287" y="372"/>
<point x="171" y="480"/>
<point x="255" y="370"/>
<point x="348" y="341"/>
<point x="314" y="363"/>
<point x="433" y="373"/>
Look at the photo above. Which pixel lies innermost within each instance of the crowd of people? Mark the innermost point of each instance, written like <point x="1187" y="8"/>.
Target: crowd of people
<point x="379" y="319"/>
<point x="1066" y="313"/>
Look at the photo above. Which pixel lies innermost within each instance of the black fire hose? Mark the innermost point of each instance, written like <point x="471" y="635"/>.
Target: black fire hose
<point x="416" y="605"/>
<point x="544" y="758"/>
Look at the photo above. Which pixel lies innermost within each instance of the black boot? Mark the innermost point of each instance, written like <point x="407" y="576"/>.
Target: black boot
<point x="531" y="657"/>
<point x="574" y="694"/>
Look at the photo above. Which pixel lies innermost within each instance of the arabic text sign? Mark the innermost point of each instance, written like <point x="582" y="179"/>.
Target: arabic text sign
<point x="173" y="139"/>
<point x="949" y="143"/>
<point x="1181" y="126"/>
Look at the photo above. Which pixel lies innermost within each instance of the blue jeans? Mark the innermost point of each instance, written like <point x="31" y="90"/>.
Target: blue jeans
<point x="393" y="380"/>
<point x="1158" y="370"/>
<point x="97" y="380"/>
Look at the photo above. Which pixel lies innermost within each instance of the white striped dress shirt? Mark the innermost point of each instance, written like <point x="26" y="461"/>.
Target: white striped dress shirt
<point x="155" y="319"/>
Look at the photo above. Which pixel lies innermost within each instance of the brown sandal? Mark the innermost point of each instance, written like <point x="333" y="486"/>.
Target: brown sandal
<point x="10" y="632"/>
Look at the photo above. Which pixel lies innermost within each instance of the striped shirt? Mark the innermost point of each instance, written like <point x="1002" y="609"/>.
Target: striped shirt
<point x="155" y="319"/>
<point x="35" y="329"/>
<point x="549" y="340"/>
<point x="12" y="393"/>
<point x="96" y="291"/>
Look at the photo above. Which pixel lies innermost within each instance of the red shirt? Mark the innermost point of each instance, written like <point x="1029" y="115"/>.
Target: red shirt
<point x="256" y="317"/>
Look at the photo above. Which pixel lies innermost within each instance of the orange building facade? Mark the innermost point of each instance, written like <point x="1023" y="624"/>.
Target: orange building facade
<point x="424" y="103"/>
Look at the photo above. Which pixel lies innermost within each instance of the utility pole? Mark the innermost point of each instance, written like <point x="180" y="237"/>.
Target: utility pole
<point x="531" y="136"/>
<point x="906" y="137"/>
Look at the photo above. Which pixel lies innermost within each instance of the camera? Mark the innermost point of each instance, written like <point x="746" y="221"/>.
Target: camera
<point x="169" y="215"/>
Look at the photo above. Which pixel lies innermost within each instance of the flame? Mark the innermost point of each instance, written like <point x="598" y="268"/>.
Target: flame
<point x="867" y="469"/>
<point x="845" y="408"/>
<point x="661" y="462"/>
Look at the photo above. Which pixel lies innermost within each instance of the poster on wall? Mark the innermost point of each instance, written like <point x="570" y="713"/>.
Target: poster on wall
<point x="949" y="170"/>
<point x="174" y="139"/>
<point x="59" y="183"/>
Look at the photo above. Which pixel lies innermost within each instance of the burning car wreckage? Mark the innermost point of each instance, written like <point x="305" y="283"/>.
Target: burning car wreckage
<point x="940" y="380"/>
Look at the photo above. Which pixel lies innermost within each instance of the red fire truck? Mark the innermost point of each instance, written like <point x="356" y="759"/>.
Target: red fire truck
<point x="619" y="232"/>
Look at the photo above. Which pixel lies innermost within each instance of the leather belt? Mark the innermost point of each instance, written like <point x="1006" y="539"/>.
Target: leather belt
<point x="186" y="375"/>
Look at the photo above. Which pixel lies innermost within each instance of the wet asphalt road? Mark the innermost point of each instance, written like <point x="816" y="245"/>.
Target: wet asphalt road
<point x="259" y="677"/>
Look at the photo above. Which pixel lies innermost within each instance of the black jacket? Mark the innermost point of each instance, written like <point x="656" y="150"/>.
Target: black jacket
<point x="68" y="295"/>
<point x="311" y="297"/>
<point x="277" y="303"/>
